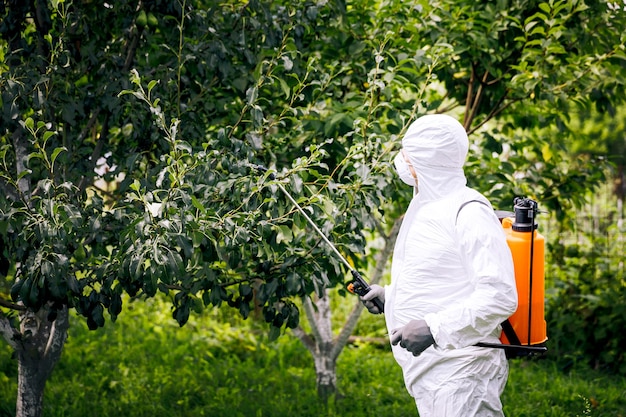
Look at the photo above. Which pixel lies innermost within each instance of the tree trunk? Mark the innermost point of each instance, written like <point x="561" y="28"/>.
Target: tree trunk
<point x="322" y="343"/>
<point x="38" y="350"/>
<point x="326" y="372"/>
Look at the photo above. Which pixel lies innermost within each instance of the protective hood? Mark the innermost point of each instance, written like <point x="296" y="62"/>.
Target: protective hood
<point x="437" y="146"/>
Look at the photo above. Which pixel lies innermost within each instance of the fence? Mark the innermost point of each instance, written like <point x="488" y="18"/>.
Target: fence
<point x="600" y="226"/>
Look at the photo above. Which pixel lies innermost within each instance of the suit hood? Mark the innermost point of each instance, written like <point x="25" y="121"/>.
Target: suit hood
<point x="437" y="146"/>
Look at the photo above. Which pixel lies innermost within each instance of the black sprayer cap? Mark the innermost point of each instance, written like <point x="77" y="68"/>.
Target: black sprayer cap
<point x="525" y="215"/>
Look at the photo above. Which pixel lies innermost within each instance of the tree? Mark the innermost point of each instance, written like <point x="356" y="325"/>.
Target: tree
<point x="185" y="217"/>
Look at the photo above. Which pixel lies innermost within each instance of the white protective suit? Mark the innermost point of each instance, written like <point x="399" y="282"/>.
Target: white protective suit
<point x="454" y="270"/>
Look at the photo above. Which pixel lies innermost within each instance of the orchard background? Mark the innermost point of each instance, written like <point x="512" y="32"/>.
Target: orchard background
<point x="128" y="144"/>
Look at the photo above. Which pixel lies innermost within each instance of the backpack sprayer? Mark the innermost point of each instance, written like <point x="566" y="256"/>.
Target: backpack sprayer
<point x="525" y="331"/>
<point x="358" y="285"/>
<point x="527" y="325"/>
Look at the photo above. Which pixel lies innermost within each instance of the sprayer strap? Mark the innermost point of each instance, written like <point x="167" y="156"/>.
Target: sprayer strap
<point x="465" y="204"/>
<point x="509" y="332"/>
<point x="507" y="328"/>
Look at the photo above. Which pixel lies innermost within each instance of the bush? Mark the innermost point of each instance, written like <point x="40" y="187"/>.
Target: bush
<point x="586" y="309"/>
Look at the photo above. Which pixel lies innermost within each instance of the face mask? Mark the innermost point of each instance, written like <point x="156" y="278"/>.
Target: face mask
<point x="404" y="171"/>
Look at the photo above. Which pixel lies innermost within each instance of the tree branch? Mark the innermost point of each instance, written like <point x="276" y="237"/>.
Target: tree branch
<point x="12" y="306"/>
<point x="473" y="108"/>
<point x="8" y="332"/>
<point x="309" y="341"/>
<point x="89" y="126"/>
<point x="305" y="338"/>
<point x="497" y="109"/>
<point x="381" y="262"/>
<point x="56" y="338"/>
<point x="468" y="97"/>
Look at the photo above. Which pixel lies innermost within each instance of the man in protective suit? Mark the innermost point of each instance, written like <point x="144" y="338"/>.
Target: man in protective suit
<point x="452" y="280"/>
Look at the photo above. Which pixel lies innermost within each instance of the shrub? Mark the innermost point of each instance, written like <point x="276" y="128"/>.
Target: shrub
<point x="586" y="308"/>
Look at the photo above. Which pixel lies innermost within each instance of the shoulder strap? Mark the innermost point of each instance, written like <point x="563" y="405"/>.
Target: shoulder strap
<point x="465" y="204"/>
<point x="509" y="332"/>
<point x="507" y="328"/>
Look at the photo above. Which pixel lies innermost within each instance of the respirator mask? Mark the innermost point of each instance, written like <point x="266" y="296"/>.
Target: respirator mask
<point x="405" y="170"/>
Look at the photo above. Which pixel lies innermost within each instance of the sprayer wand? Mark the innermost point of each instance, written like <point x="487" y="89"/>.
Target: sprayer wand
<point x="358" y="286"/>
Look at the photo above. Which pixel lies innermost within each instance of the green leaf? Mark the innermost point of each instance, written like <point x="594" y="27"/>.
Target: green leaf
<point x="284" y="234"/>
<point x="294" y="283"/>
<point x="16" y="288"/>
<point x="217" y="295"/>
<point x="56" y="3"/>
<point x="73" y="284"/>
<point x="252" y="95"/>
<point x="545" y="7"/>
<point x="24" y="173"/>
<point x="56" y="153"/>
<point x="197" y="204"/>
<point x="533" y="20"/>
<point x="97" y="314"/>
<point x="134" y="77"/>
<point x="285" y="87"/>
<point x="274" y="333"/>
<point x="294" y="317"/>
<point x="115" y="307"/>
<point x="152" y="84"/>
<point x="47" y="135"/>
<point x="135" y="186"/>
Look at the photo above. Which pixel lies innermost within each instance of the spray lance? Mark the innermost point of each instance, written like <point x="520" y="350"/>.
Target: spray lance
<point x="358" y="285"/>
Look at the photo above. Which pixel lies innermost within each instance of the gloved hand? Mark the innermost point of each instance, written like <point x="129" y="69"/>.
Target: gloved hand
<point x="414" y="337"/>
<point x="376" y="291"/>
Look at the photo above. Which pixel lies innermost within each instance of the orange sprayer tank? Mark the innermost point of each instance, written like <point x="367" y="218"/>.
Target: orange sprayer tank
<point x="526" y="243"/>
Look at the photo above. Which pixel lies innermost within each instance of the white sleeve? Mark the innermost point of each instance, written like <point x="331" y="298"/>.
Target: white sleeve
<point x="489" y="267"/>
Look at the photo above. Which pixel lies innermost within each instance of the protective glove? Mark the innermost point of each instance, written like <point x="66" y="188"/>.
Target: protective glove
<point x="376" y="291"/>
<point x="415" y="337"/>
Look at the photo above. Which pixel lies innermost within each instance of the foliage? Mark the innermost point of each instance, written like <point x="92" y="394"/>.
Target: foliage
<point x="552" y="175"/>
<point x="522" y="69"/>
<point x="527" y="49"/>
<point x="199" y="224"/>
<point x="171" y="217"/>
<point x="586" y="308"/>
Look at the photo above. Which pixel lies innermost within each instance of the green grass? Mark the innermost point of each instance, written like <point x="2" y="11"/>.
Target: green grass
<point x="540" y="388"/>
<point x="144" y="365"/>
